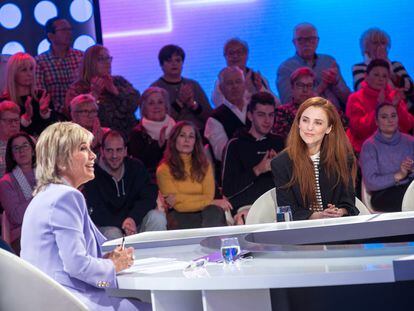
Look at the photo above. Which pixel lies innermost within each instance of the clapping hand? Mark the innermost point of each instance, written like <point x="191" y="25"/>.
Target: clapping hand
<point x="44" y="103"/>
<point x="28" y="115"/>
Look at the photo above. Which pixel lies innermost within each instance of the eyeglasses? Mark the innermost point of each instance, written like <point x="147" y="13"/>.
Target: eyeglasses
<point x="23" y="147"/>
<point x="303" y="40"/>
<point x="238" y="52"/>
<point x="106" y="59"/>
<point x="89" y="113"/>
<point x="304" y="86"/>
<point x="11" y="121"/>
<point x="64" y="29"/>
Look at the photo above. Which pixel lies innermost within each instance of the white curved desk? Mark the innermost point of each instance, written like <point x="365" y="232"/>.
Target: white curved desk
<point x="245" y="286"/>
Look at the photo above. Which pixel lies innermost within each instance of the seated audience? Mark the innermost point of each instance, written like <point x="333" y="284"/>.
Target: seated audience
<point x="116" y="98"/>
<point x="329" y="82"/>
<point x="185" y="178"/>
<point x="315" y="173"/>
<point x="9" y="125"/>
<point x="58" y="67"/>
<point x="122" y="198"/>
<point x="148" y="139"/>
<point x="230" y="117"/>
<point x="188" y="100"/>
<point x="361" y="105"/>
<point x="302" y="82"/>
<point x="16" y="186"/>
<point x="84" y="111"/>
<point x="386" y="161"/>
<point x="21" y="89"/>
<point x="375" y="44"/>
<point x="58" y="236"/>
<point x="236" y="53"/>
<point x="246" y="166"/>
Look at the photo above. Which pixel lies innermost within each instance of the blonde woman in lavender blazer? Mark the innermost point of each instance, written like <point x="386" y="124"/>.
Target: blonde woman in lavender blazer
<point x="58" y="235"/>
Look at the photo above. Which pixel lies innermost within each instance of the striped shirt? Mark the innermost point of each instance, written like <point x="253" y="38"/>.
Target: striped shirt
<point x="404" y="80"/>
<point x="55" y="74"/>
<point x="317" y="206"/>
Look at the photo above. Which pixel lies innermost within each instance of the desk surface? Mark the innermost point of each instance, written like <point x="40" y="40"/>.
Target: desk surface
<point x="271" y="270"/>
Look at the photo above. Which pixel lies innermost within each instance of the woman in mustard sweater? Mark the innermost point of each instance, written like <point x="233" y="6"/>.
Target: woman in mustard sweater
<point x="185" y="179"/>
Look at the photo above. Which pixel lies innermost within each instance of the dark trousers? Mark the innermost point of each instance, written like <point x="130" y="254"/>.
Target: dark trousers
<point x="390" y="199"/>
<point x="210" y="216"/>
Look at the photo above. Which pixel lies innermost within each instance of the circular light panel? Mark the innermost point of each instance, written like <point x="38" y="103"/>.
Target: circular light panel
<point x="12" y="47"/>
<point x="81" y="10"/>
<point x="83" y="42"/>
<point x="10" y="16"/>
<point x="44" y="11"/>
<point x="43" y="46"/>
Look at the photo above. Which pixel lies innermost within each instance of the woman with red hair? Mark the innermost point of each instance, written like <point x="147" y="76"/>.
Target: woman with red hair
<point x="315" y="173"/>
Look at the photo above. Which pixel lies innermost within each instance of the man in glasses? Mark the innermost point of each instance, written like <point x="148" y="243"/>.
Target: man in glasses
<point x="9" y="125"/>
<point x="329" y="81"/>
<point x="58" y="68"/>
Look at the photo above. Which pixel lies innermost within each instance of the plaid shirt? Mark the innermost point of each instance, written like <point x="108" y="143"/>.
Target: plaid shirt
<point x="3" y="145"/>
<point x="284" y="116"/>
<point x="55" y="74"/>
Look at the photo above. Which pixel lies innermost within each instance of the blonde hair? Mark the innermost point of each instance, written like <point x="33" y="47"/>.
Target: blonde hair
<point x="14" y="63"/>
<point x="90" y="59"/>
<point x="54" y="150"/>
<point x="146" y="95"/>
<point x="373" y="34"/>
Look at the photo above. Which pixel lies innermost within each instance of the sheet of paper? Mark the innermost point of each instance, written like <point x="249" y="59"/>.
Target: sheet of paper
<point x="155" y="265"/>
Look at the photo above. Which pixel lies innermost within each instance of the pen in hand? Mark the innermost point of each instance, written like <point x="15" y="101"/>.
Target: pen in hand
<point x="123" y="243"/>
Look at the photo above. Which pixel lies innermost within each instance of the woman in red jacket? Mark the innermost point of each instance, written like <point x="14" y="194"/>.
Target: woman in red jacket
<point x="361" y="104"/>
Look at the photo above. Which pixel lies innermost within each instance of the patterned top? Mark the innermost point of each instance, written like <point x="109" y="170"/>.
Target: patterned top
<point x="317" y="206"/>
<point x="55" y="74"/>
<point x="115" y="111"/>
<point x="284" y="116"/>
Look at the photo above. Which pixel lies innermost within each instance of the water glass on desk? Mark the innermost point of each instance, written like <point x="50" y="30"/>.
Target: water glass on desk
<point x="283" y="213"/>
<point x="230" y="249"/>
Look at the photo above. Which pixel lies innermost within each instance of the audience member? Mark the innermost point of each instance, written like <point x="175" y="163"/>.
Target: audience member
<point x="21" y="89"/>
<point x="246" y="166"/>
<point x="3" y="65"/>
<point x="122" y="198"/>
<point x="116" y="98"/>
<point x="387" y="161"/>
<point x="302" y="82"/>
<point x="58" y="68"/>
<point x="375" y="44"/>
<point x="148" y="139"/>
<point x="9" y="125"/>
<point x="236" y="53"/>
<point x="230" y="117"/>
<point x="16" y="186"/>
<point x="84" y="111"/>
<point x="58" y="236"/>
<point x="329" y="81"/>
<point x="187" y="98"/>
<point x="185" y="178"/>
<point x="315" y="174"/>
<point x="362" y="103"/>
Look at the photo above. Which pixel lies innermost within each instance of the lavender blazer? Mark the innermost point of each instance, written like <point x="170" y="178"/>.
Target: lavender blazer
<point x="60" y="239"/>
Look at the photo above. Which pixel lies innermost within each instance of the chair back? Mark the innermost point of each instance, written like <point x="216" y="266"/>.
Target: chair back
<point x="363" y="210"/>
<point x="24" y="287"/>
<point x="263" y="209"/>
<point x="408" y="199"/>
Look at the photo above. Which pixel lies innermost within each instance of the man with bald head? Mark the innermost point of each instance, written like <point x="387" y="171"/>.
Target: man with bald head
<point x="231" y="115"/>
<point x="329" y="81"/>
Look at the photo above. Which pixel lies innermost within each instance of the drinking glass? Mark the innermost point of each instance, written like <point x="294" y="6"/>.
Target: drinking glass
<point x="283" y="213"/>
<point x="230" y="249"/>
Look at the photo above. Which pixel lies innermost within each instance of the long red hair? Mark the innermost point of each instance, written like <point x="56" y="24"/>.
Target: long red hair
<point x="336" y="152"/>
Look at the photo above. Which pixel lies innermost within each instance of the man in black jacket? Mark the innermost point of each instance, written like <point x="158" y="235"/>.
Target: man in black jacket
<point x="247" y="174"/>
<point x="122" y="198"/>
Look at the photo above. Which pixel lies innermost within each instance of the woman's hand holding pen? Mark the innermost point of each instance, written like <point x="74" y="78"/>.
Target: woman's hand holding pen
<point x="121" y="257"/>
